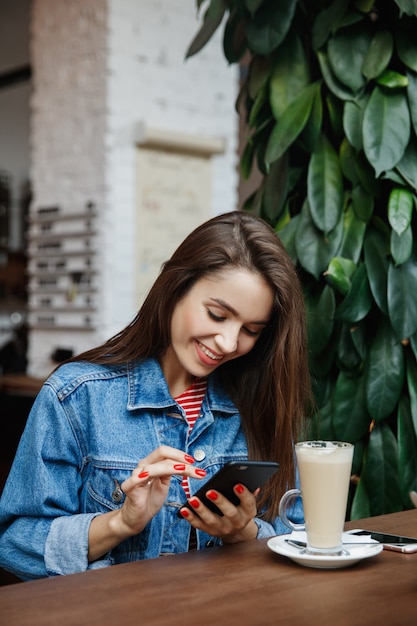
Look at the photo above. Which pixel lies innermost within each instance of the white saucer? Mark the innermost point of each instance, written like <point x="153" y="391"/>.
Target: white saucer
<point x="354" y="551"/>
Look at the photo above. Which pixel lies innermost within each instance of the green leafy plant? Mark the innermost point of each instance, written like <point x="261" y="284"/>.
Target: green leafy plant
<point x="330" y="99"/>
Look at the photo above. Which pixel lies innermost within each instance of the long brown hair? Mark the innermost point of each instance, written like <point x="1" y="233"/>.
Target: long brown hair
<point x="270" y="385"/>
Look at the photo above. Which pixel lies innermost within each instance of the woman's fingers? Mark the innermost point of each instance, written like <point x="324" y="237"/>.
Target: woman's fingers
<point x="166" y="452"/>
<point x="233" y="518"/>
<point x="162" y="463"/>
<point x="167" y="467"/>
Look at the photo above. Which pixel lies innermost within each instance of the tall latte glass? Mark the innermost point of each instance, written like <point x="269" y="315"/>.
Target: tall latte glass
<point x="325" y="469"/>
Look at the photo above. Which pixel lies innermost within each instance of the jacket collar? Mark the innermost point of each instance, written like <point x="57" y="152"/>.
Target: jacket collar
<point x="147" y="389"/>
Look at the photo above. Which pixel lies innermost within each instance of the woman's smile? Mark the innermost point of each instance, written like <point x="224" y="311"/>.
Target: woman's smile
<point x="208" y="353"/>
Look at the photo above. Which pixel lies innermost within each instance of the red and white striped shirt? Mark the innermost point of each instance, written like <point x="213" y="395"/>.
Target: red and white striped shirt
<point x="191" y="401"/>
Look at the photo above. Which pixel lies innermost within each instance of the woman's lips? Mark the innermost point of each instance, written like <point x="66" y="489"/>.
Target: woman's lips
<point x="207" y="356"/>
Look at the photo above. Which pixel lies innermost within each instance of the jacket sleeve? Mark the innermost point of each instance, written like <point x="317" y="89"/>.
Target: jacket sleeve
<point x="42" y="532"/>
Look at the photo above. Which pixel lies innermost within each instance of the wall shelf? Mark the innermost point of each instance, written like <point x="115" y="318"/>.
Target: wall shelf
<point x="61" y="286"/>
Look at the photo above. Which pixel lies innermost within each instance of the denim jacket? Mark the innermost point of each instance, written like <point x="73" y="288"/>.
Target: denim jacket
<point x="88" y="428"/>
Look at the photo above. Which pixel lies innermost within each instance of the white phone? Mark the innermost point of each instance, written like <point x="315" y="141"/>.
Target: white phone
<point x="397" y="543"/>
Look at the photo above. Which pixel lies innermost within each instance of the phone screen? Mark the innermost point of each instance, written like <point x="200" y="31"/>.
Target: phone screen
<point x="387" y="537"/>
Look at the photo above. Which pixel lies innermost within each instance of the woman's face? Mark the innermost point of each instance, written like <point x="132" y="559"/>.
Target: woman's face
<point x="218" y="320"/>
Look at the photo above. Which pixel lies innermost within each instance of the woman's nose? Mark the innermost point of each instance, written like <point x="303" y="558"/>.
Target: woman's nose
<point x="227" y="341"/>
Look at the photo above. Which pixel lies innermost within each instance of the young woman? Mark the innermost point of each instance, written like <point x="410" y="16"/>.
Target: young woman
<point x="212" y="369"/>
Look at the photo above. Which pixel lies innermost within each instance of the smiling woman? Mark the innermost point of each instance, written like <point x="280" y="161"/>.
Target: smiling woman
<point x="212" y="369"/>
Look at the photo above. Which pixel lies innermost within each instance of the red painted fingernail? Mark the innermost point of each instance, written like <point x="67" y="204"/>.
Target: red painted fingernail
<point x="212" y="495"/>
<point x="240" y="488"/>
<point x="194" y="503"/>
<point x="189" y="458"/>
<point x="185" y="512"/>
<point x="143" y="475"/>
<point x="179" y="466"/>
<point x="200" y="472"/>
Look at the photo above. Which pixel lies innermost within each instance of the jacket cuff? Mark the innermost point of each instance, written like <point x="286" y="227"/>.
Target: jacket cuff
<point x="66" y="547"/>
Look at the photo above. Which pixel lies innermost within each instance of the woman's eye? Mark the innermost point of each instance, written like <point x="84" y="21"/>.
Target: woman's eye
<point x="252" y="333"/>
<point x="215" y="317"/>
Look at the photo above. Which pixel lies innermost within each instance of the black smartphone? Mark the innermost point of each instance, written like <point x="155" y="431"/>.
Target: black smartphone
<point x="397" y="543"/>
<point x="251" y="474"/>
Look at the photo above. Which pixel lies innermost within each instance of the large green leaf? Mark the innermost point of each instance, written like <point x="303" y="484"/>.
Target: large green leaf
<point x="385" y="373"/>
<point x="386" y="129"/>
<point x="314" y="250"/>
<point x="234" y="40"/>
<point x="358" y="301"/>
<point x="335" y="86"/>
<point x="366" y="175"/>
<point x="347" y="156"/>
<point x="407" y="6"/>
<point x="407" y="48"/>
<point x="353" y="235"/>
<point x="253" y="5"/>
<point x="290" y="125"/>
<point x="275" y="189"/>
<point x="269" y="25"/>
<point x="320" y="364"/>
<point x="352" y="122"/>
<point x="320" y="322"/>
<point x="349" y="359"/>
<point x="412" y="97"/>
<point x="402" y="300"/>
<point x="376" y="249"/>
<point x="362" y="203"/>
<point x="347" y="50"/>
<point x="407" y="167"/>
<point x="380" y="472"/>
<point x="400" y="207"/>
<point x="259" y="72"/>
<point x="364" y="6"/>
<point x="257" y="114"/>
<point x="339" y="273"/>
<point x="378" y="54"/>
<point x="413" y="344"/>
<point x="359" y="335"/>
<point x="412" y="388"/>
<point x="211" y="21"/>
<point x="326" y="21"/>
<point x="325" y="186"/>
<point x="310" y="135"/>
<point x="358" y="454"/>
<point x="321" y="424"/>
<point x="335" y="110"/>
<point x="350" y="418"/>
<point x="407" y="451"/>
<point x="287" y="235"/>
<point x="361" y="507"/>
<point x="289" y="76"/>
<point x="246" y="160"/>
<point x="401" y="246"/>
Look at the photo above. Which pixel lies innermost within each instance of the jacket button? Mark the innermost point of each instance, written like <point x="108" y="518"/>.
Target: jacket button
<point x="117" y="495"/>
<point x="210" y="543"/>
<point x="199" y="455"/>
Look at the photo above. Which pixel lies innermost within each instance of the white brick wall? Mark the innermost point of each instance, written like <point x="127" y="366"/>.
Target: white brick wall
<point x="101" y="68"/>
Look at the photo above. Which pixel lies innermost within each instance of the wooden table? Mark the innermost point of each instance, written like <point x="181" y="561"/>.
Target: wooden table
<point x="243" y="584"/>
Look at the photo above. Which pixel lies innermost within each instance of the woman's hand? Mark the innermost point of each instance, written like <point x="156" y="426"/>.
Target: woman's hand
<point x="145" y="490"/>
<point x="237" y="523"/>
<point x="147" y="487"/>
